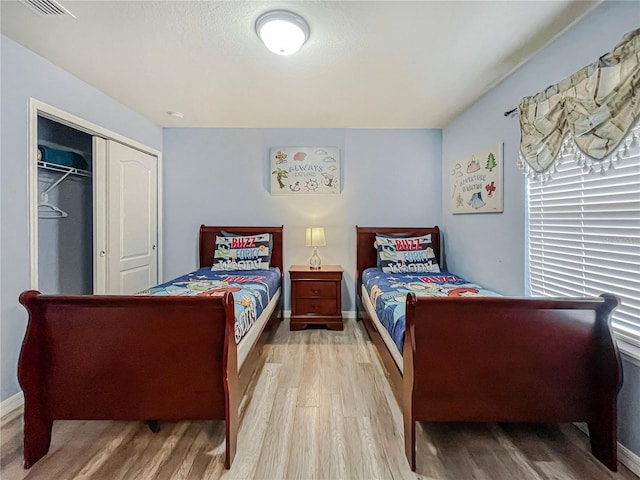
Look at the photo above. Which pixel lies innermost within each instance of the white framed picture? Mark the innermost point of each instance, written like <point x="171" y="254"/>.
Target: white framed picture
<point x="475" y="182"/>
<point x="305" y="170"/>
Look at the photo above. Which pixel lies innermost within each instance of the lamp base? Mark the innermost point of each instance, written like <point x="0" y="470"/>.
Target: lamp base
<point x="314" y="261"/>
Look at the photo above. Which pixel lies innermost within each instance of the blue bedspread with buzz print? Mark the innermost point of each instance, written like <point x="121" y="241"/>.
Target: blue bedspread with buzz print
<point x="251" y="290"/>
<point x="388" y="294"/>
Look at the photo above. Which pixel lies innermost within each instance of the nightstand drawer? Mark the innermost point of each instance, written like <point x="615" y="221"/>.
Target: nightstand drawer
<point x="316" y="296"/>
<point x="316" y="306"/>
<point x="316" y="289"/>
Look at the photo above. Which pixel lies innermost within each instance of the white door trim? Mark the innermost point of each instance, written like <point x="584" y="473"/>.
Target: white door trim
<point x="39" y="108"/>
<point x="99" y="215"/>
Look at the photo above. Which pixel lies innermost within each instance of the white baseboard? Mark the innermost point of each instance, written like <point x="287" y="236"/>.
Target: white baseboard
<point x="629" y="459"/>
<point x="629" y="348"/>
<point x="10" y="404"/>
<point x="625" y="456"/>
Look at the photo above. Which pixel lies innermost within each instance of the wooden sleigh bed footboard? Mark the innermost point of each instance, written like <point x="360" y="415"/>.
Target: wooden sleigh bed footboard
<point x="512" y="360"/>
<point x="127" y="357"/>
<point x="499" y="359"/>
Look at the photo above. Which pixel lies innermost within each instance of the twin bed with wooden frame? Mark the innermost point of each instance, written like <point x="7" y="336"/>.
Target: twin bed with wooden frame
<point x="149" y="358"/>
<point x="498" y="359"/>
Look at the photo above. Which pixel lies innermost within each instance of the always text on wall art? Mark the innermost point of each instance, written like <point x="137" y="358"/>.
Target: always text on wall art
<point x="475" y="182"/>
<point x="305" y="170"/>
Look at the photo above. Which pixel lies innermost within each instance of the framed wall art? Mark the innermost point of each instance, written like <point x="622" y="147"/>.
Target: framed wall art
<point x="475" y="182"/>
<point x="305" y="170"/>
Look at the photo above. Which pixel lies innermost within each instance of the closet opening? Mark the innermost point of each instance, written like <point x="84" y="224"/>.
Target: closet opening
<point x="65" y="208"/>
<point x="94" y="207"/>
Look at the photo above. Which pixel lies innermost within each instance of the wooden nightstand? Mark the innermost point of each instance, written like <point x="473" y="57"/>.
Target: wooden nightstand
<point x="316" y="296"/>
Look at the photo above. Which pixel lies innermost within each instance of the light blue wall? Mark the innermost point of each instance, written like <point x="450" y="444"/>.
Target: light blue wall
<point x="221" y="176"/>
<point x="490" y="248"/>
<point x="390" y="177"/>
<point x="25" y="75"/>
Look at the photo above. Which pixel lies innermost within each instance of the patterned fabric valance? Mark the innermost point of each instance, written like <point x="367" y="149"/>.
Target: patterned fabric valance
<point x="596" y="106"/>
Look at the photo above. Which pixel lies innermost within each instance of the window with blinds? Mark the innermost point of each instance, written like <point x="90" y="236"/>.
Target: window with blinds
<point x="584" y="233"/>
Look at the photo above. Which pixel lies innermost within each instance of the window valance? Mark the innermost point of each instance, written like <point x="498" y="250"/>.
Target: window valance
<point x="595" y="108"/>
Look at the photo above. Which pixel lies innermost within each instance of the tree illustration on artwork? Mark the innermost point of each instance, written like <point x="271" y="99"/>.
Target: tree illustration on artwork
<point x="491" y="162"/>
<point x="280" y="174"/>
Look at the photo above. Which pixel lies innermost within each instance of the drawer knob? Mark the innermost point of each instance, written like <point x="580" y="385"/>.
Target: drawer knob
<point x="315" y="291"/>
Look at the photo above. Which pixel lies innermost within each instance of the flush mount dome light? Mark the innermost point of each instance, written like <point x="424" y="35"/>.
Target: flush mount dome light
<point x="282" y="32"/>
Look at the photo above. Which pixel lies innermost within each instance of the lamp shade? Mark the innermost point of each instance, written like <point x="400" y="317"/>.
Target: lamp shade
<point x="315" y="237"/>
<point x="282" y="32"/>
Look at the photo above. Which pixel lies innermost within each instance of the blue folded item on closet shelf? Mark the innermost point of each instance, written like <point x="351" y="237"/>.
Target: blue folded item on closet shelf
<point x="62" y="157"/>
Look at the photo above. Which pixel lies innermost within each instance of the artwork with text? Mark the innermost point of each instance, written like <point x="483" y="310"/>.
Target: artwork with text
<point x="304" y="170"/>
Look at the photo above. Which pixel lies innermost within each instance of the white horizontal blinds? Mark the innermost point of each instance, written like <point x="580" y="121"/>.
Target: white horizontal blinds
<point x="584" y="232"/>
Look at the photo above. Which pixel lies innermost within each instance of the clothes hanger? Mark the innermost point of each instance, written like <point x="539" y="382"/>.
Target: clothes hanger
<point x="48" y="210"/>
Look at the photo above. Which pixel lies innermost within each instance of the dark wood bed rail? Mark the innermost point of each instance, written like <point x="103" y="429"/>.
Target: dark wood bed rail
<point x="206" y="248"/>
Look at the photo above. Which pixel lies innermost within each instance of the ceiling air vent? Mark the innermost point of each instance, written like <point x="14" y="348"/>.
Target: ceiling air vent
<point x="47" y="8"/>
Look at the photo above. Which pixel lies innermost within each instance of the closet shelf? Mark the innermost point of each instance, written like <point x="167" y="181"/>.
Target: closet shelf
<point x="56" y="167"/>
<point x="45" y="208"/>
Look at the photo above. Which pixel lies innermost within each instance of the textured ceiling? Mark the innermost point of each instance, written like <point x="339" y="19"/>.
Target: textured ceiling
<point x="367" y="64"/>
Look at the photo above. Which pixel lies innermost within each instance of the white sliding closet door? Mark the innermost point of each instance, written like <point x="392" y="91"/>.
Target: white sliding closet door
<point x="132" y="219"/>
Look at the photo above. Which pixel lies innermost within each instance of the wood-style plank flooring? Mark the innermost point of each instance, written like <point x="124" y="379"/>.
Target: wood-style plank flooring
<point x="320" y="408"/>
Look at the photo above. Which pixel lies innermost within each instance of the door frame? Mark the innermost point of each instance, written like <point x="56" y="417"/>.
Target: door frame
<point x="38" y="108"/>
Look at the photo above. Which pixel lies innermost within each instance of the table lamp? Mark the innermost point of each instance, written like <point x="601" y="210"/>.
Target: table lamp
<point x="315" y="238"/>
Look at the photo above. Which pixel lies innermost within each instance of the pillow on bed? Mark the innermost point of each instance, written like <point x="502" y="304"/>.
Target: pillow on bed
<point x="406" y="254"/>
<point x="251" y="252"/>
<point x="387" y="235"/>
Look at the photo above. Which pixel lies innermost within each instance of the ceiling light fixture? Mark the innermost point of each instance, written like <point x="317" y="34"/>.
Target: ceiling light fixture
<point x="282" y="32"/>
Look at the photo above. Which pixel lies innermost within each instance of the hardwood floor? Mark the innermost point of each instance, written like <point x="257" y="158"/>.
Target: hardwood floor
<point x="320" y="408"/>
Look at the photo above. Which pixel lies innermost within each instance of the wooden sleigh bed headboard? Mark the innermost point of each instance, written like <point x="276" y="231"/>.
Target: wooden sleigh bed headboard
<point x="367" y="255"/>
